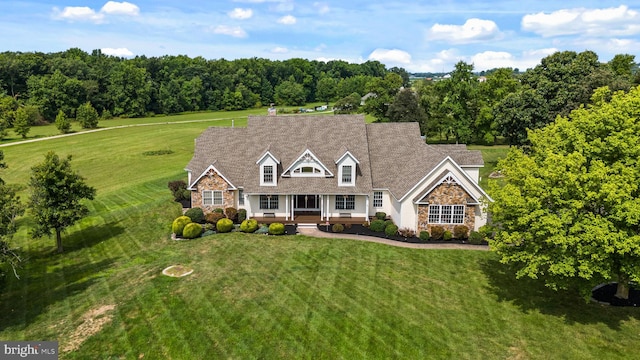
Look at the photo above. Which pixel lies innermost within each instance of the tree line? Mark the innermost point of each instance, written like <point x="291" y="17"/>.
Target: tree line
<point x="113" y="86"/>
<point x="461" y="107"/>
<point x="467" y="108"/>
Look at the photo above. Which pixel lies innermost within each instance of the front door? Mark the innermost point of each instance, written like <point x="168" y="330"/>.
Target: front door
<point x="307" y="204"/>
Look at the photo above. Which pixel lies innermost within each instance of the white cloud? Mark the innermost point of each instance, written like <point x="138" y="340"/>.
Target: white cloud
<point x="279" y="50"/>
<point x="84" y="13"/>
<point x="119" y="52"/>
<point x="393" y="56"/>
<point x="77" y="13"/>
<point x="120" y="8"/>
<point x="606" y="22"/>
<point x="496" y="59"/>
<point x="240" y="14"/>
<point x="322" y="8"/>
<point x="234" y="31"/>
<point x="287" y="20"/>
<point x="473" y="30"/>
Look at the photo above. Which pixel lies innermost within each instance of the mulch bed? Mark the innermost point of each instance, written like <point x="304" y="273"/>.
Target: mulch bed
<point x="605" y="294"/>
<point x="357" y="229"/>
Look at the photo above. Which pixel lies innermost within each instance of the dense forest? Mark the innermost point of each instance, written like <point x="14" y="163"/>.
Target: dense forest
<point x="462" y="107"/>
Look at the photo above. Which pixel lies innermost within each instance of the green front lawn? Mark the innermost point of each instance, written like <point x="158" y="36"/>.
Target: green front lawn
<point x="253" y="296"/>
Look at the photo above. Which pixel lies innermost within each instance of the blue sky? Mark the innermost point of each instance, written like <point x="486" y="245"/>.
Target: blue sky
<point x="420" y="36"/>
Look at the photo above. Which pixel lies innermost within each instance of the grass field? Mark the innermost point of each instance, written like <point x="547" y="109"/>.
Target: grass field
<point x="258" y="297"/>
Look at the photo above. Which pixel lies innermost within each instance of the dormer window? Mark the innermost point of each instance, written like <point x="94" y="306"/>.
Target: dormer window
<point x="268" y="170"/>
<point x="347" y="176"/>
<point x="267" y="174"/>
<point x="347" y="164"/>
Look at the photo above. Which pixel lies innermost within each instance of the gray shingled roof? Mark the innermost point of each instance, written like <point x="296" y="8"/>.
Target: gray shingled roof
<point x="391" y="155"/>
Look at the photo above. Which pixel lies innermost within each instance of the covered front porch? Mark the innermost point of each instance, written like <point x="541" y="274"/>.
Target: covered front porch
<point x="311" y="209"/>
<point x="310" y="219"/>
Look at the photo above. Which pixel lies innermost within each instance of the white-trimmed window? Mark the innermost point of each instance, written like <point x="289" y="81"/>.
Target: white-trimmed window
<point x="377" y="199"/>
<point x="347" y="174"/>
<point x="345" y="202"/>
<point x="240" y="197"/>
<point x="446" y="214"/>
<point x="267" y="174"/>
<point x="269" y="202"/>
<point x="212" y="197"/>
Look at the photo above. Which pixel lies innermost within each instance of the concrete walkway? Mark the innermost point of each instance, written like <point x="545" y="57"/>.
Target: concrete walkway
<point x="317" y="233"/>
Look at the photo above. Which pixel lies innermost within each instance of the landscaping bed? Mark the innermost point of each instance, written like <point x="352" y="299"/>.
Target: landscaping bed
<point x="605" y="294"/>
<point x="357" y="229"/>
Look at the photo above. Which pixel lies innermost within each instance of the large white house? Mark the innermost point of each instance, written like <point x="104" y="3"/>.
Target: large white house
<point x="336" y="169"/>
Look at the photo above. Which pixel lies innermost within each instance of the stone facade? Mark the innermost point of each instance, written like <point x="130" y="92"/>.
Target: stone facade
<point x="446" y="194"/>
<point x="212" y="181"/>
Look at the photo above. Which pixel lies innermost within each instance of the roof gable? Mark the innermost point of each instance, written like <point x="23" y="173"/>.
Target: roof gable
<point x="210" y="171"/>
<point x="307" y="158"/>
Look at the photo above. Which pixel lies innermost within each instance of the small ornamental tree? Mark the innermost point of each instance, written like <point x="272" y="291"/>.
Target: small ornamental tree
<point x="10" y="208"/>
<point x="87" y="116"/>
<point x="62" y="123"/>
<point x="57" y="193"/>
<point x="569" y="210"/>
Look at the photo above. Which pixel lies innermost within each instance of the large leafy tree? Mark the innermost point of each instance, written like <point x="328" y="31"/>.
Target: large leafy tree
<point x="57" y="193"/>
<point x="406" y="108"/>
<point x="569" y="210"/>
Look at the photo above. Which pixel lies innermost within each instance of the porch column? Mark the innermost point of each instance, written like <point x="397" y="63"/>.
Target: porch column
<point x="286" y="207"/>
<point x="321" y="207"/>
<point x="367" y="207"/>
<point x="328" y="203"/>
<point x="293" y="215"/>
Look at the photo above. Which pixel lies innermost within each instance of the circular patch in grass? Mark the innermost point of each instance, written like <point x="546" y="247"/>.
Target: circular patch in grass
<point x="605" y="294"/>
<point x="177" y="271"/>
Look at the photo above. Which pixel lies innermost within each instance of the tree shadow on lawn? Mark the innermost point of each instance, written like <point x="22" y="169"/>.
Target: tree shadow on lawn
<point x="23" y="301"/>
<point x="532" y="295"/>
<point x="79" y="240"/>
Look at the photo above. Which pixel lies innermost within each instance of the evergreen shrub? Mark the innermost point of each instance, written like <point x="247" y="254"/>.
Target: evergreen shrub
<point x="249" y="226"/>
<point x="377" y="225"/>
<point x="224" y="225"/>
<point x="276" y="229"/>
<point x="192" y="231"/>
<point x="196" y="215"/>
<point x="391" y="230"/>
<point x="179" y="223"/>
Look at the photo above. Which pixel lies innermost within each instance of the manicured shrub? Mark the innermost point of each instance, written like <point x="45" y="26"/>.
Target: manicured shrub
<point x="424" y="235"/>
<point x="249" y="226"/>
<point x="231" y="213"/>
<point x="178" y="190"/>
<point x="242" y="215"/>
<point x="388" y="222"/>
<point x="263" y="229"/>
<point x="460" y="232"/>
<point x="209" y="227"/>
<point x="192" y="231"/>
<point x="196" y="215"/>
<point x="218" y="210"/>
<point x="448" y="235"/>
<point x="208" y="233"/>
<point x="391" y="230"/>
<point x="213" y="218"/>
<point x="347" y="226"/>
<point x="276" y="229"/>
<point x="224" y="225"/>
<point x="337" y="228"/>
<point x="475" y="238"/>
<point x="381" y="215"/>
<point x="407" y="233"/>
<point x="179" y="223"/>
<point x="366" y="224"/>
<point x="377" y="225"/>
<point x="437" y="232"/>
